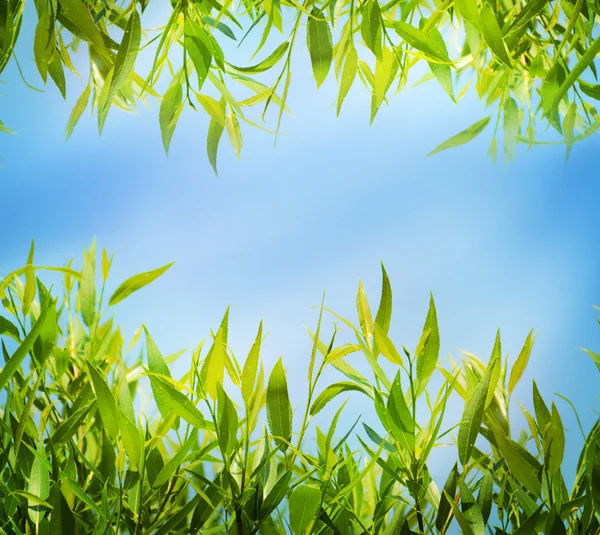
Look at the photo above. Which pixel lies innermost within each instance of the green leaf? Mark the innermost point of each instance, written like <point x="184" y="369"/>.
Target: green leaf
<point x="79" y="15"/>
<point x="62" y="519"/>
<point x="399" y="416"/>
<point x="228" y="422"/>
<point x="106" y="402"/>
<point x="215" y="131"/>
<point x="320" y="48"/>
<point x="77" y="111"/>
<point x="595" y="474"/>
<point x="213" y="368"/>
<point x="44" y="345"/>
<point x="176" y="402"/>
<point x="484" y="498"/>
<point x="470" y="509"/>
<point x="551" y="85"/>
<point x="584" y="62"/>
<point x="554" y="524"/>
<point x="87" y="287"/>
<point x="132" y="440"/>
<point x="266" y="63"/>
<point x="29" y="290"/>
<point x="251" y="367"/>
<point x="170" y="110"/>
<point x="213" y="108"/>
<point x="462" y="520"/>
<point x="279" y="409"/>
<point x="157" y="365"/>
<point x="542" y="413"/>
<point x="125" y="61"/>
<point x="385" y="73"/>
<point x="13" y="363"/>
<point x="276" y="495"/>
<point x="556" y="441"/>
<point x="10" y="329"/>
<point x="57" y="73"/>
<point x="524" y="467"/>
<point x="370" y="27"/>
<point x="472" y="417"/>
<point x="568" y="128"/>
<point x="521" y="363"/>
<point x="385" y="345"/>
<point x="198" y="46"/>
<point x="69" y="427"/>
<point x="442" y="71"/>
<point x="493" y="34"/>
<point x="223" y="28"/>
<point x="364" y="312"/>
<point x="176" y="460"/>
<point x="428" y="356"/>
<point x="4" y="129"/>
<point x="235" y="134"/>
<point x="592" y="91"/>
<point x="331" y="392"/>
<point x="133" y="284"/>
<point x="348" y="75"/>
<point x="38" y="486"/>
<point x="445" y="509"/>
<point x="511" y="129"/>
<point x="304" y="504"/>
<point x="421" y="41"/>
<point x="528" y="526"/>
<point x="44" y="43"/>
<point x="468" y="11"/>
<point x="463" y="137"/>
<point x="519" y="25"/>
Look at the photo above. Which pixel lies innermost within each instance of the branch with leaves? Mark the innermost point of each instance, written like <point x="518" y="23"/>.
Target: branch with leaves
<point x="99" y="437"/>
<point x="529" y="61"/>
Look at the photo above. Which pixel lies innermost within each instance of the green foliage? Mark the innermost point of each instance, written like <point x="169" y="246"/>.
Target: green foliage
<point x="218" y="450"/>
<point x="530" y="62"/>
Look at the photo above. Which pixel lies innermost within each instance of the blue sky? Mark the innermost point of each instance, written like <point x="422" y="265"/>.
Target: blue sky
<point x="512" y="247"/>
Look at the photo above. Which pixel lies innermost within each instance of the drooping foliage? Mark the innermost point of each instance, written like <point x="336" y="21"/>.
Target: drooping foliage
<point x="531" y="62"/>
<point x="224" y="447"/>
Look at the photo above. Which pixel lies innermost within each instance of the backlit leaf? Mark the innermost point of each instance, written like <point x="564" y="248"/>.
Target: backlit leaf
<point x="472" y="418"/>
<point x="463" y="137"/>
<point x="521" y="363"/>
<point x="331" y="392"/>
<point x="170" y="110"/>
<point x="279" y="409"/>
<point x="126" y="56"/>
<point x="133" y="284"/>
<point x="106" y="402"/>
<point x="320" y="48"/>
<point x="304" y="504"/>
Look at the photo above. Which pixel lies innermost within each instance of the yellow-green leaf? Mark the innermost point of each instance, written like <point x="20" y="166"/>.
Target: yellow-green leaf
<point x="279" y="409"/>
<point x="521" y="363"/>
<point x="125" y="61"/>
<point x="213" y="108"/>
<point x="511" y="129"/>
<point x="106" y="402"/>
<point x="463" y="137"/>
<point x="133" y="284"/>
<point x="493" y="34"/>
<point x="320" y="48"/>
<point x="77" y="111"/>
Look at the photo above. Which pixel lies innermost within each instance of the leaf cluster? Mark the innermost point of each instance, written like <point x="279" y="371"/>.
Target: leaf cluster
<point x="530" y="62"/>
<point x="98" y="437"/>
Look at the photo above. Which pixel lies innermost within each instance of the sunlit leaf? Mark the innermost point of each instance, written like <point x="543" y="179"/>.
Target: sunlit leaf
<point x="135" y="283"/>
<point x="463" y="137"/>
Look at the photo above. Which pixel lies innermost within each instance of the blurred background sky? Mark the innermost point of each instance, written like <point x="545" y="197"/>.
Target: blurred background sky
<point x="514" y="247"/>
